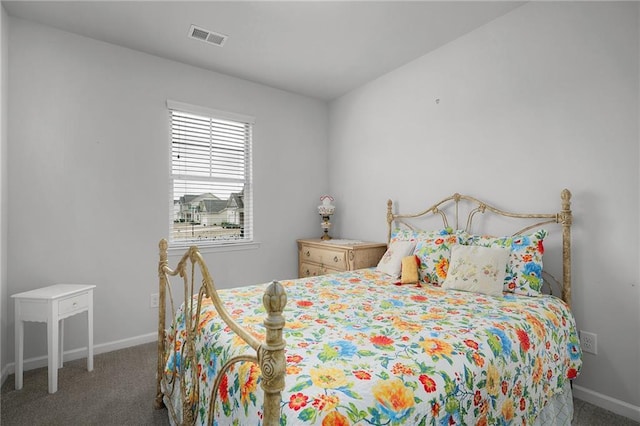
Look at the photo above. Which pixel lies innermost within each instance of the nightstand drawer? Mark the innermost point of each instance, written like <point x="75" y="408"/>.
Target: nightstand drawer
<point x="331" y="258"/>
<point x="313" y="270"/>
<point x="72" y="304"/>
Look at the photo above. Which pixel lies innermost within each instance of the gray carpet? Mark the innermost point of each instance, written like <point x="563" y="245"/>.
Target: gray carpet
<point x="120" y="391"/>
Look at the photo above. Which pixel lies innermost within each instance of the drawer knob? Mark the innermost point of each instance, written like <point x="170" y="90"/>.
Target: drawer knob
<point x="75" y="304"/>
<point x="335" y="259"/>
<point x="308" y="253"/>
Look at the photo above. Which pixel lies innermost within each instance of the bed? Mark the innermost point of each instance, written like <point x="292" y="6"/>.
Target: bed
<point x="475" y="340"/>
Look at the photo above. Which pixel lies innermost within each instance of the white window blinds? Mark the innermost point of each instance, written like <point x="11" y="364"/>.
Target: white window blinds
<point x="210" y="176"/>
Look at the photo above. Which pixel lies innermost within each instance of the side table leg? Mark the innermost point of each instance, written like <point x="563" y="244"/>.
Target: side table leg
<point x="90" y="327"/>
<point x="61" y="344"/>
<point x="19" y="350"/>
<point x="52" y="347"/>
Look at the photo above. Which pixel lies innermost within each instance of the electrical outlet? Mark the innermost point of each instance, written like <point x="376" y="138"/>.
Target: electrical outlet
<point x="589" y="342"/>
<point x="154" y="300"/>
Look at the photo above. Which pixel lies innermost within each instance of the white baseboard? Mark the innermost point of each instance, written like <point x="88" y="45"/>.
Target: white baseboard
<point x="73" y="354"/>
<point x="608" y="403"/>
<point x="5" y="373"/>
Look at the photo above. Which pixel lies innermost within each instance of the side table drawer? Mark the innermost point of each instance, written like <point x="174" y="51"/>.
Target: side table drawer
<point x="331" y="258"/>
<point x="74" y="303"/>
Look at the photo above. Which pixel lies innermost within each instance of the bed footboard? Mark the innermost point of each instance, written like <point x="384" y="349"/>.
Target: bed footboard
<point x="269" y="355"/>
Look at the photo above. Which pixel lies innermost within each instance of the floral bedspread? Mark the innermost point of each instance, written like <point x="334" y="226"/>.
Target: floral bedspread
<point x="363" y="351"/>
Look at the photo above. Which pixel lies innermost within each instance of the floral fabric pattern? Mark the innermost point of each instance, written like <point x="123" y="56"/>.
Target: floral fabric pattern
<point x="362" y="351"/>
<point x="524" y="269"/>
<point x="434" y="250"/>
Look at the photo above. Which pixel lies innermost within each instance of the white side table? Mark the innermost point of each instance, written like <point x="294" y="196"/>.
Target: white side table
<point x="52" y="305"/>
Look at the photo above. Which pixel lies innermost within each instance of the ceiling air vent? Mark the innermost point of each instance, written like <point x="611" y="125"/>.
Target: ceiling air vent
<point x="207" y="36"/>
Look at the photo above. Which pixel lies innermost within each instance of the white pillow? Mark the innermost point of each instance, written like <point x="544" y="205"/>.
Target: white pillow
<point x="478" y="269"/>
<point x="391" y="262"/>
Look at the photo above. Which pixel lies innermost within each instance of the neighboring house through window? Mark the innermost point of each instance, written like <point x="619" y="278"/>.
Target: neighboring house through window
<point x="210" y="176"/>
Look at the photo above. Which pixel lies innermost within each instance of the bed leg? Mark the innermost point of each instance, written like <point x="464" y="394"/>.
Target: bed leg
<point x="159" y="402"/>
<point x="566" y="218"/>
<point x="271" y="354"/>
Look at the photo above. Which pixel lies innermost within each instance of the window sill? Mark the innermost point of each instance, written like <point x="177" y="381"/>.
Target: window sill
<point x="178" y="249"/>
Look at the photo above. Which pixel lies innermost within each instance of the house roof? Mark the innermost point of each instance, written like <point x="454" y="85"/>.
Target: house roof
<point x="187" y="198"/>
<point x="236" y="200"/>
<point x="213" y="206"/>
<point x="205" y="197"/>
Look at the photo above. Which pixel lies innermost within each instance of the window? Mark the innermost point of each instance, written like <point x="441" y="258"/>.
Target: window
<point x="210" y="176"/>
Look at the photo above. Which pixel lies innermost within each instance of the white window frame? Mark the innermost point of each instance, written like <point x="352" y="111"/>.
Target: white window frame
<point x="207" y="245"/>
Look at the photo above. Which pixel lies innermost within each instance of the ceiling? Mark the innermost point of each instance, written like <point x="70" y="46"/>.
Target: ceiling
<point x="321" y="49"/>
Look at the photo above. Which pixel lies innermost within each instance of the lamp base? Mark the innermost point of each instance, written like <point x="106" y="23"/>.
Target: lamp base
<point x="325" y="225"/>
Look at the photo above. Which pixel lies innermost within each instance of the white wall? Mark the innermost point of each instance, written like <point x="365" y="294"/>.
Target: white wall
<point x="543" y="98"/>
<point x="89" y="175"/>
<point x="4" y="42"/>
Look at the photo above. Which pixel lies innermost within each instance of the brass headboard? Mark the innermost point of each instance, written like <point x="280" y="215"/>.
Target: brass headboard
<point x="563" y="217"/>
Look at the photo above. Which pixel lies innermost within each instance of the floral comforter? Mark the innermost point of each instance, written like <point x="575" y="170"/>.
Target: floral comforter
<point x="363" y="351"/>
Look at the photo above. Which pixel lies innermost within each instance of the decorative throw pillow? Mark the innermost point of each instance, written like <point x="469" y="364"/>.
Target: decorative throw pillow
<point x="434" y="250"/>
<point x="477" y="269"/>
<point x="391" y="261"/>
<point x="403" y="234"/>
<point x="524" y="269"/>
<point x="409" y="271"/>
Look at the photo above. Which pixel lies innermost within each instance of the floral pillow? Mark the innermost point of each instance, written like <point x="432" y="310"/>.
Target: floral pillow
<point x="477" y="269"/>
<point x="524" y="269"/>
<point x="434" y="250"/>
<point x="403" y="234"/>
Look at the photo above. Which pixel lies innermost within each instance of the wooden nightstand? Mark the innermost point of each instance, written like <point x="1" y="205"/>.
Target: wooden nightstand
<point x="319" y="257"/>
